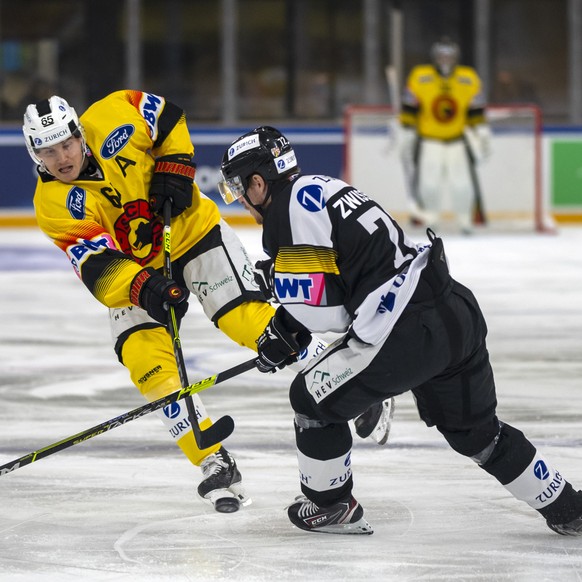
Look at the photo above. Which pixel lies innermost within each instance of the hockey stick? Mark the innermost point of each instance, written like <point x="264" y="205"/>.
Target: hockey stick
<point x="108" y="425"/>
<point x="223" y="427"/>
<point x="479" y="215"/>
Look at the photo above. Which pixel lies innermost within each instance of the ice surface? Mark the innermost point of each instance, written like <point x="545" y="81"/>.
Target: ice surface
<point x="122" y="506"/>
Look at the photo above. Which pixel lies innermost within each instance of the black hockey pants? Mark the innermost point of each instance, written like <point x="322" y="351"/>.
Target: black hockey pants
<point x="437" y="350"/>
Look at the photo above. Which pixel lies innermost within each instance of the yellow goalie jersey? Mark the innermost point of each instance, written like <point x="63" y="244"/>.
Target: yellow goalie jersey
<point x="103" y="220"/>
<point x="440" y="107"/>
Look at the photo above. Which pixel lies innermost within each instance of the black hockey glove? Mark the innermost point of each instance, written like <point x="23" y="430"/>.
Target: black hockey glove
<point x="172" y="180"/>
<point x="154" y="293"/>
<point x="280" y="343"/>
<point x="264" y="278"/>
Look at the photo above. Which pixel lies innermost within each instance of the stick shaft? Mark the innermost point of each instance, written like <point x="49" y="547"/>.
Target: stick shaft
<point x="126" y="417"/>
<point x="222" y="428"/>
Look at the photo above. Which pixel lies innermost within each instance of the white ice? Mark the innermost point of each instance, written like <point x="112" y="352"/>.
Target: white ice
<point x="122" y="506"/>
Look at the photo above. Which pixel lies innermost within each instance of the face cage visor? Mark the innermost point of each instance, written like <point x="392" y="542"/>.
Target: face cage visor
<point x="445" y="58"/>
<point x="231" y="189"/>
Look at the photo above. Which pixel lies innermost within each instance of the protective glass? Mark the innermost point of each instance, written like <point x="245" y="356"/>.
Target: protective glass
<point x="231" y="189"/>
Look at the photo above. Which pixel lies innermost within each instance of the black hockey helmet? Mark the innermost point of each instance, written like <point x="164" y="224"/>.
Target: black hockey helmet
<point x="264" y="151"/>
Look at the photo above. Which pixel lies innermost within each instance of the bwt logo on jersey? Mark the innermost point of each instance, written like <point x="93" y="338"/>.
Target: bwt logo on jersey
<point x="311" y="198"/>
<point x="150" y="107"/>
<point x="79" y="253"/>
<point x="76" y="202"/>
<point x="116" y="141"/>
<point x="308" y="289"/>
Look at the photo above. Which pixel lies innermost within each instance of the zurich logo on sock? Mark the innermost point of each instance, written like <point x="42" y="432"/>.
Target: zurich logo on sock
<point x="541" y="471"/>
<point x="172" y="410"/>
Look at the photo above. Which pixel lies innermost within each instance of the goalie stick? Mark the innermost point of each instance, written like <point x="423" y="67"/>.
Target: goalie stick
<point x="108" y="425"/>
<point x="223" y="427"/>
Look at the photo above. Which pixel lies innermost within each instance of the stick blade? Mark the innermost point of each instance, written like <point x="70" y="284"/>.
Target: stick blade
<point x="220" y="430"/>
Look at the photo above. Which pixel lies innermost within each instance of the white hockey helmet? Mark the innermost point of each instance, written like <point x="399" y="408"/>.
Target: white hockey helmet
<point x="49" y="122"/>
<point x="445" y="55"/>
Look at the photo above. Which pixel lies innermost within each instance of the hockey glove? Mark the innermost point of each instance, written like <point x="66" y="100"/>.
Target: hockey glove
<point x="172" y="180"/>
<point x="264" y="271"/>
<point x="280" y="343"/>
<point x="154" y="293"/>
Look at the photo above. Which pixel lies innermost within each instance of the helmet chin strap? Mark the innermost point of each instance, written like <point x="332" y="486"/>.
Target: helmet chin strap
<point x="260" y="207"/>
<point x="272" y="188"/>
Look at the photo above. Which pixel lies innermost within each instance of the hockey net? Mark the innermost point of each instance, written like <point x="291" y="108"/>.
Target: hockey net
<point x="510" y="178"/>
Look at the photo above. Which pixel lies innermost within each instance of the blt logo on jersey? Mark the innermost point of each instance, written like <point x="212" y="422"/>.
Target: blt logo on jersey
<point x="299" y="288"/>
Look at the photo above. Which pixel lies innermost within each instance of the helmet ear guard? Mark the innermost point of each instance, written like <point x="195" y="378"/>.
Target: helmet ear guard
<point x="264" y="151"/>
<point x="49" y="122"/>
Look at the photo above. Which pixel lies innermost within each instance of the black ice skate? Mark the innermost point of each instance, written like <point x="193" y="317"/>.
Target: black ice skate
<point x="572" y="528"/>
<point x="376" y="422"/>
<point x="222" y="485"/>
<point x="567" y="510"/>
<point x="340" y="518"/>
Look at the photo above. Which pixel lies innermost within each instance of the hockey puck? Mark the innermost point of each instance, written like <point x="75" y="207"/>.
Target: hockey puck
<point x="227" y="505"/>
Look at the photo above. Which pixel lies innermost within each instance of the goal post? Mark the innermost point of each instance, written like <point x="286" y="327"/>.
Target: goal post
<point x="511" y="178"/>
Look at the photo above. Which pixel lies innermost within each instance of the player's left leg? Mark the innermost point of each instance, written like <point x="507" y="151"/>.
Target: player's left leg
<point x="461" y="402"/>
<point x="462" y="186"/>
<point x="145" y="348"/>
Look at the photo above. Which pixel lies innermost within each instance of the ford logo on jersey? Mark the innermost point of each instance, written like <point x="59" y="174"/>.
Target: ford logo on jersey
<point x="311" y="198"/>
<point x="116" y="141"/>
<point x="76" y="202"/>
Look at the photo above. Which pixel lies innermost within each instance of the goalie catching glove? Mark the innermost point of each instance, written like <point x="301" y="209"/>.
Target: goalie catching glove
<point x="172" y="180"/>
<point x="280" y="343"/>
<point x="155" y="293"/>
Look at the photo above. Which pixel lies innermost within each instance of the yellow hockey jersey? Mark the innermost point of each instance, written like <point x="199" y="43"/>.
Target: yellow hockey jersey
<point x="102" y="221"/>
<point x="440" y="107"/>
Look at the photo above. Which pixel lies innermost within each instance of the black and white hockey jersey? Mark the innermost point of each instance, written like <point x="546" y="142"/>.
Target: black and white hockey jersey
<point x="340" y="261"/>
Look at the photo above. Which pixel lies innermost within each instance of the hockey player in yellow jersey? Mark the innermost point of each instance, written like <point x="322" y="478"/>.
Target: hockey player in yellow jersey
<point x="103" y="180"/>
<point x="444" y="133"/>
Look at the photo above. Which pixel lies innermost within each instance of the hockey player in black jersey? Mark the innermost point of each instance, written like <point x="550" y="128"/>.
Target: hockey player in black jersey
<point x="341" y="263"/>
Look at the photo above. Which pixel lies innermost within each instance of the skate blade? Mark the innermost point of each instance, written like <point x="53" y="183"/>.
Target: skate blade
<point x="381" y="431"/>
<point x="239" y="492"/>
<point x="360" y="527"/>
